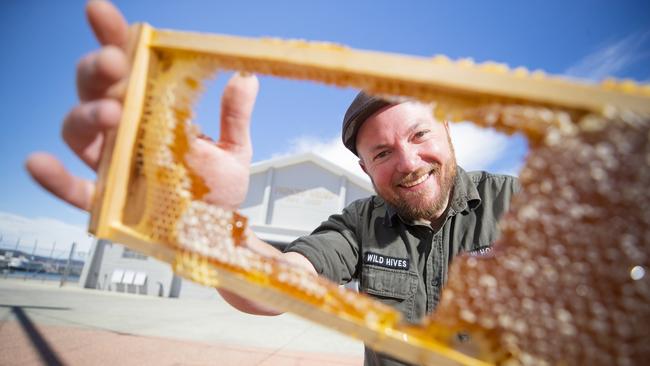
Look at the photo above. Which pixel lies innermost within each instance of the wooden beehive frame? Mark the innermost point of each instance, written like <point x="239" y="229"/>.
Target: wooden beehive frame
<point x="461" y="84"/>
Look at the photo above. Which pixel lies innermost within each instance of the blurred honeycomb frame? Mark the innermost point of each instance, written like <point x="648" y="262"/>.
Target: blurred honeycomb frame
<point x="461" y="90"/>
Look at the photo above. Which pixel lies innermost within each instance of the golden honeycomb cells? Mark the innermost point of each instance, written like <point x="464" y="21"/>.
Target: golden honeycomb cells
<point x="566" y="283"/>
<point x="165" y="128"/>
<point x="216" y="235"/>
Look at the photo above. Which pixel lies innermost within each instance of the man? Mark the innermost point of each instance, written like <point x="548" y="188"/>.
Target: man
<point x="398" y="244"/>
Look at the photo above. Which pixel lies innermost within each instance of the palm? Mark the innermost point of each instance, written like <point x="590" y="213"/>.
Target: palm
<point x="225" y="171"/>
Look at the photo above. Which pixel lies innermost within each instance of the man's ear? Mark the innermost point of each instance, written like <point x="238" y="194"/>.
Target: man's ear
<point x="363" y="166"/>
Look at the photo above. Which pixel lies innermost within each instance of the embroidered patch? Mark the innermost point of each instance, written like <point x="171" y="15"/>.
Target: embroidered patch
<point x="385" y="261"/>
<point x="480" y="252"/>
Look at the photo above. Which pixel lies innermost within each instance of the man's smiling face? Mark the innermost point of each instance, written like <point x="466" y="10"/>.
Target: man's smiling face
<point x="409" y="158"/>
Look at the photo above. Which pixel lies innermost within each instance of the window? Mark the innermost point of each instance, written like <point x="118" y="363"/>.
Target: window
<point x="128" y="253"/>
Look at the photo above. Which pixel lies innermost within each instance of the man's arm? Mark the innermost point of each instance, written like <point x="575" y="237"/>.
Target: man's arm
<point x="224" y="165"/>
<point x="268" y="250"/>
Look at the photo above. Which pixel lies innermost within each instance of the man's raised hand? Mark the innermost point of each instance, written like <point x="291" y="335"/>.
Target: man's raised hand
<point x="101" y="80"/>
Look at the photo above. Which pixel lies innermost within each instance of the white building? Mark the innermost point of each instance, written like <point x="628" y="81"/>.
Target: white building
<point x="287" y="198"/>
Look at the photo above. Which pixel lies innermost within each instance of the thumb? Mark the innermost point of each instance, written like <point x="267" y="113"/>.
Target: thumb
<point x="237" y="105"/>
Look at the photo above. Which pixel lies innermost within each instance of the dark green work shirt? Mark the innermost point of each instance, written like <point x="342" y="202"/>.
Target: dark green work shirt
<point x="404" y="264"/>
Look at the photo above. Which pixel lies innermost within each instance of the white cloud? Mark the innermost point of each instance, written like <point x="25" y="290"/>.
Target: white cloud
<point x="612" y="58"/>
<point x="476" y="149"/>
<point x="45" y="231"/>
<point x="330" y="149"/>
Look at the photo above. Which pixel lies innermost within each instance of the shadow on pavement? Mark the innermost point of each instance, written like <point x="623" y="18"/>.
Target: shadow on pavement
<point x="45" y="351"/>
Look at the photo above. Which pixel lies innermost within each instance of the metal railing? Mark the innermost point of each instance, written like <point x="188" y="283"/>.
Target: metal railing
<point x="36" y="261"/>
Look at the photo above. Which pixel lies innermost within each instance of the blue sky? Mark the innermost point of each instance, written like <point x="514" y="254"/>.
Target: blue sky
<point x="42" y="41"/>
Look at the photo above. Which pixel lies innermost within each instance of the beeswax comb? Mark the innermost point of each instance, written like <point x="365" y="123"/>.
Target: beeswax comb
<point x="148" y="199"/>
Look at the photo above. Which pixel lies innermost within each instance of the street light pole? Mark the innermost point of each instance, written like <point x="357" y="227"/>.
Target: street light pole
<point x="66" y="271"/>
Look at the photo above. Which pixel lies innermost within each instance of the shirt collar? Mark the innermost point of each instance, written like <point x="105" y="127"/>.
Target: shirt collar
<point x="464" y="198"/>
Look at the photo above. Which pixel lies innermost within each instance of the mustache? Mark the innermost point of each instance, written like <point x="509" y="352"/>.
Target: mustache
<point x="433" y="168"/>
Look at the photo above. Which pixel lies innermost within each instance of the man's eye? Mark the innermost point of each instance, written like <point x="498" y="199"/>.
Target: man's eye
<point x="421" y="134"/>
<point x="381" y="155"/>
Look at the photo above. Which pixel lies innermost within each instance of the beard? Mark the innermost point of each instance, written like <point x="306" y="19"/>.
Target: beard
<point x="413" y="206"/>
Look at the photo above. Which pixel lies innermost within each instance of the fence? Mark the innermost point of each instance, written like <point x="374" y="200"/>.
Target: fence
<point x="34" y="261"/>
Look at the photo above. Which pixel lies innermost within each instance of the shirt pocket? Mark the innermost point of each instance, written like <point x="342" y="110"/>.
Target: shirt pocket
<point x="396" y="288"/>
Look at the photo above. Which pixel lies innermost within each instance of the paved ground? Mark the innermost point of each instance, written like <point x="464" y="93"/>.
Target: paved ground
<point x="44" y="324"/>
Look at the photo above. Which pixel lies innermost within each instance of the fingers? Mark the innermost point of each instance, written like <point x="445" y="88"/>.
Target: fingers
<point x="83" y="128"/>
<point x="237" y="105"/>
<point x="108" y="23"/>
<point x="50" y="174"/>
<point x="97" y="72"/>
<point x="97" y="77"/>
<point x="103" y="73"/>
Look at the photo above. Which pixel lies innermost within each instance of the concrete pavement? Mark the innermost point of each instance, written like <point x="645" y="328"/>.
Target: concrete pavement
<point x="43" y="324"/>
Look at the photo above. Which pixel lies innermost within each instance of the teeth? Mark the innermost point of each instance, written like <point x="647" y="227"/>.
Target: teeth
<point x="414" y="183"/>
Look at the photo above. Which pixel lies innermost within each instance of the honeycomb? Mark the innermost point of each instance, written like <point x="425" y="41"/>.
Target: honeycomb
<point x="565" y="284"/>
<point x="159" y="175"/>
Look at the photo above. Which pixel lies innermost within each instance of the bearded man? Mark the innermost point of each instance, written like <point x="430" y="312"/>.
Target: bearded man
<point x="427" y="210"/>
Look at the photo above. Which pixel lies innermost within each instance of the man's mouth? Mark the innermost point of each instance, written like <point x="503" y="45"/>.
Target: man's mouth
<point x="414" y="183"/>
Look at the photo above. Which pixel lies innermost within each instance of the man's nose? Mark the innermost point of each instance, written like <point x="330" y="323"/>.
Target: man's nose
<point x="408" y="160"/>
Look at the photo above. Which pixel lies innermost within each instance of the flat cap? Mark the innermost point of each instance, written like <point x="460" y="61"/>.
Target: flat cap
<point x="362" y="107"/>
